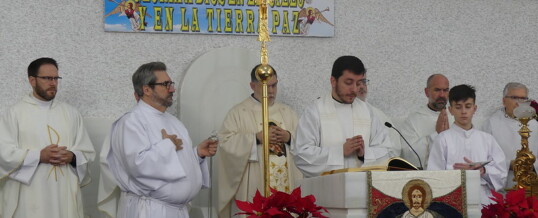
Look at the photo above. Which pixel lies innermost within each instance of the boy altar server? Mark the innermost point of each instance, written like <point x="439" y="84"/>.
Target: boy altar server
<point x="463" y="146"/>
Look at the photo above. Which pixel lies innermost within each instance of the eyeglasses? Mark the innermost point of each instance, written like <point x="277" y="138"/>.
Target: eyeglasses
<point x="167" y="84"/>
<point x="49" y="78"/>
<point x="364" y="82"/>
<point x="517" y="98"/>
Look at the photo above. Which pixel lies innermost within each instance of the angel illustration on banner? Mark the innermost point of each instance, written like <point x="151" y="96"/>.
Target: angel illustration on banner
<point x="131" y="10"/>
<point x="307" y="16"/>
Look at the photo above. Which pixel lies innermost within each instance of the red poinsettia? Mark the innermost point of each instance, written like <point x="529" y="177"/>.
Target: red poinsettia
<point x="514" y="205"/>
<point x="281" y="205"/>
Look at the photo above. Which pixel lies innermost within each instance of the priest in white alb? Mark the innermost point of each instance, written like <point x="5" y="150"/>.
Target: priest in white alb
<point x="44" y="151"/>
<point x="240" y="162"/>
<point x="339" y="131"/>
<point x="504" y="126"/>
<point x="151" y="154"/>
<point x="465" y="147"/>
<point x="422" y="126"/>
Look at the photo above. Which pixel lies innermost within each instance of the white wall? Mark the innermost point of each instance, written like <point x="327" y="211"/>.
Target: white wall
<point x="483" y="43"/>
<point x="402" y="42"/>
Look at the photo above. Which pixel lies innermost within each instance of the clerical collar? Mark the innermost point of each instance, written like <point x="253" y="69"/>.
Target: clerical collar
<point x="41" y="103"/>
<point x="508" y="116"/>
<point x="338" y="100"/>
<point x="252" y="95"/>
<point x="431" y="108"/>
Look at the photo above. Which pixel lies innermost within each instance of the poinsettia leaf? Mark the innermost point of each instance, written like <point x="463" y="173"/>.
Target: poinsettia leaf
<point x="497" y="197"/>
<point x="258" y="198"/>
<point x="273" y="190"/>
<point x="532" y="201"/>
<point x="515" y="198"/>
<point x="274" y="211"/>
<point x="296" y="193"/>
<point x="244" y="206"/>
<point x="279" y="199"/>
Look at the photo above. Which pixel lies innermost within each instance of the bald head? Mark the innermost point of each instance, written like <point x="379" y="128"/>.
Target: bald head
<point x="435" y="78"/>
<point x="437" y="91"/>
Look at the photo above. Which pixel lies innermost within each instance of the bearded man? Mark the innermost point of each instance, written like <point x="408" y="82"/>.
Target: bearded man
<point x="423" y="125"/>
<point x="44" y="151"/>
<point x="338" y="131"/>
<point x="151" y="154"/>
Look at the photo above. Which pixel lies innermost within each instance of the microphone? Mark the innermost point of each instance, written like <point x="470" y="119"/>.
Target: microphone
<point x="389" y="125"/>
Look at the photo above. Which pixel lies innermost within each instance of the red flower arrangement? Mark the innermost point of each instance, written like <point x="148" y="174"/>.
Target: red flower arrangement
<point x="514" y="205"/>
<point x="281" y="205"/>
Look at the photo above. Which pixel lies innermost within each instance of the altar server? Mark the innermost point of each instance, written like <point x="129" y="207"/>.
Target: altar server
<point x="151" y="154"/>
<point x="465" y="147"/>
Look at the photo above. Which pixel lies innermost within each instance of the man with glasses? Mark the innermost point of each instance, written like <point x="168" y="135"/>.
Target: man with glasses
<point x="44" y="151"/>
<point x="241" y="155"/>
<point x="338" y="131"/>
<point x="423" y="125"/>
<point x="504" y="126"/>
<point x="151" y="154"/>
<point x="394" y="136"/>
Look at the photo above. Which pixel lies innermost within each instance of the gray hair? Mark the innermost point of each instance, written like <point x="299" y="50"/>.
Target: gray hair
<point x="514" y="85"/>
<point x="145" y="75"/>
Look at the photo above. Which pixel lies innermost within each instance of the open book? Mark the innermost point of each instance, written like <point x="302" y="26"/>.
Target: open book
<point x="392" y="164"/>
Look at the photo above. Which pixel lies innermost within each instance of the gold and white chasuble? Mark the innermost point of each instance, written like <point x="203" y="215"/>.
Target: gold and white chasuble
<point x="240" y="158"/>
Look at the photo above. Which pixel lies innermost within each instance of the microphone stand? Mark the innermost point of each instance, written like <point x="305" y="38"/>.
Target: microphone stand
<point x="389" y="125"/>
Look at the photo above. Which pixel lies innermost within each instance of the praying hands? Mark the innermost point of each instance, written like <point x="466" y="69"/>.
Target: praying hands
<point x="56" y="155"/>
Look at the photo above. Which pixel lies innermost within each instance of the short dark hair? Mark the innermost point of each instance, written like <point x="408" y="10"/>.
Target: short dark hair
<point x="253" y="73"/>
<point x="33" y="68"/>
<point x="350" y="63"/>
<point x="145" y="75"/>
<point x="461" y="93"/>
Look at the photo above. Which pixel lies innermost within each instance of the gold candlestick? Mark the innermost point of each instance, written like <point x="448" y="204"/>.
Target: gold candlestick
<point x="523" y="165"/>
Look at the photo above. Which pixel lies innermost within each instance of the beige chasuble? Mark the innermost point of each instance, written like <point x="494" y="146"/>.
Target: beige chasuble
<point x="240" y="160"/>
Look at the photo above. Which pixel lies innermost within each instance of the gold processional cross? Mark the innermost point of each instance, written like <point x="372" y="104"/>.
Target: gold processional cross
<point x="264" y="72"/>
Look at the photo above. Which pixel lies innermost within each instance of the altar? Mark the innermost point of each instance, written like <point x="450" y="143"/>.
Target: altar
<point x="350" y="194"/>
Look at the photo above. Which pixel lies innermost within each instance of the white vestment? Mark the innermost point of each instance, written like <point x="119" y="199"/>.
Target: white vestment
<point x="108" y="193"/>
<point x="419" y="130"/>
<point x="505" y="130"/>
<point x="323" y="130"/>
<point x="32" y="189"/>
<point x="155" y="179"/>
<point x="394" y="136"/>
<point x="452" y="145"/>
<point x="240" y="158"/>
